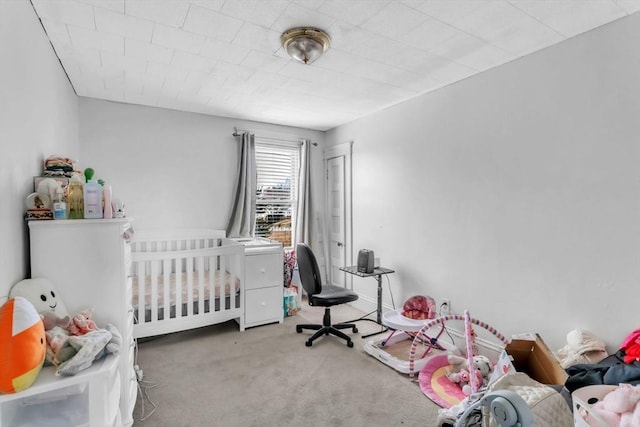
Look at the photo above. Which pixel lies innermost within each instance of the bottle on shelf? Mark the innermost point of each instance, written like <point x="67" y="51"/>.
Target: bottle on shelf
<point x="59" y="205"/>
<point x="75" y="197"/>
<point x="108" y="208"/>
<point x="92" y="200"/>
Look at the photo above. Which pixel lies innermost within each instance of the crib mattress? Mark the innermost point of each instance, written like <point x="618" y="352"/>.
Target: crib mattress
<point x="208" y="292"/>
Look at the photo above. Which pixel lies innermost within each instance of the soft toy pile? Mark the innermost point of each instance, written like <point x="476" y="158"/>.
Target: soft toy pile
<point x="620" y="407"/>
<point x="460" y="372"/>
<point x="72" y="343"/>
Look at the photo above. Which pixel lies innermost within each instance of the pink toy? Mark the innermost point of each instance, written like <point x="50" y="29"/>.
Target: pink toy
<point x="620" y="407"/>
<point x="81" y="323"/>
<point x="419" y="307"/>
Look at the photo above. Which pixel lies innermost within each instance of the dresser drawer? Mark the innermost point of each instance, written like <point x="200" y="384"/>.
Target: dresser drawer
<point x="263" y="305"/>
<point x="263" y="270"/>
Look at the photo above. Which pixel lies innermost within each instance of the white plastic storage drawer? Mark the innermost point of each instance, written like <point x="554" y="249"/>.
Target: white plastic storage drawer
<point x="89" y="398"/>
<point x="263" y="270"/>
<point x="263" y="305"/>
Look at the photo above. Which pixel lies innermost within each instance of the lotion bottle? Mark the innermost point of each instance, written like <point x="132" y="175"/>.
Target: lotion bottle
<point x="108" y="208"/>
<point x="59" y="206"/>
<point x="92" y="200"/>
<point x="76" y="197"/>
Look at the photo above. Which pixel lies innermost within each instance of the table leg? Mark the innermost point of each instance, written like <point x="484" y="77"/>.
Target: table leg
<point x="379" y="314"/>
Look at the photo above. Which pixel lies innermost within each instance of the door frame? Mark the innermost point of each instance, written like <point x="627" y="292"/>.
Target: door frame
<point x="345" y="150"/>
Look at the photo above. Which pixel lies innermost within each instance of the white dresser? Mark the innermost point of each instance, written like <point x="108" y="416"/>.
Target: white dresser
<point x="263" y="291"/>
<point x="89" y="261"/>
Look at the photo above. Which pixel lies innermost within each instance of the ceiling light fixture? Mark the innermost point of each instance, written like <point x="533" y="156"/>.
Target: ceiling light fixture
<point x="305" y="44"/>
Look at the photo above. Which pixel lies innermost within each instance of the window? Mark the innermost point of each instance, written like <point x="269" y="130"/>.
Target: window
<point x="277" y="175"/>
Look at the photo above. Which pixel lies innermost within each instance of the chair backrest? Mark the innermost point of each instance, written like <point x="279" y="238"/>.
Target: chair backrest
<point x="308" y="269"/>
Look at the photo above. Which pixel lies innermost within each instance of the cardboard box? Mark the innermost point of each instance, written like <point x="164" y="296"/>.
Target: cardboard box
<point x="533" y="357"/>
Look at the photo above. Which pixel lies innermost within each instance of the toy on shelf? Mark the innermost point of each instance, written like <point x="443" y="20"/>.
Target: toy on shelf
<point x="22" y="345"/>
<point x="72" y="343"/>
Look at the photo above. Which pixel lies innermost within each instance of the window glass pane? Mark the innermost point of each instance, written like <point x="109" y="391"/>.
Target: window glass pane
<point x="277" y="170"/>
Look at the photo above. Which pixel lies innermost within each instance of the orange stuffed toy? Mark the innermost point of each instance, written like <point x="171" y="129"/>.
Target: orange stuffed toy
<point x="22" y="345"/>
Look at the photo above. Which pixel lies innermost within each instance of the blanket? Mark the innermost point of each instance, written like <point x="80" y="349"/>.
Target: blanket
<point x="610" y="371"/>
<point x="74" y="353"/>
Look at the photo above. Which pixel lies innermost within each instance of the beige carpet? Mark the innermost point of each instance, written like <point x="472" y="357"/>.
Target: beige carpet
<point x="266" y="376"/>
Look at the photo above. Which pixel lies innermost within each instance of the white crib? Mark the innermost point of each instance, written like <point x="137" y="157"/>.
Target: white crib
<point x="185" y="279"/>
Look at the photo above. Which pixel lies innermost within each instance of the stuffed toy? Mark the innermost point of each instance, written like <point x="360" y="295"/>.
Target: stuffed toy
<point x="22" y="345"/>
<point x="51" y="320"/>
<point x="483" y="367"/>
<point x="463" y="377"/>
<point x="620" y="407"/>
<point x="81" y="323"/>
<point x="42" y="294"/>
<point x="65" y="347"/>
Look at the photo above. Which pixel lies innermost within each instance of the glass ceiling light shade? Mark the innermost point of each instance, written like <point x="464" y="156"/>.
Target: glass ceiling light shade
<point x="305" y="44"/>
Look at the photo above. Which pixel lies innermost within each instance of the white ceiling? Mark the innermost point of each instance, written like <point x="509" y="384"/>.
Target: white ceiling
<point x="223" y="57"/>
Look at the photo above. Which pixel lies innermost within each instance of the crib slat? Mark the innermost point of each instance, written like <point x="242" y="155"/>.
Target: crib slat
<point x="177" y="287"/>
<point x="154" y="291"/>
<point x="189" y="268"/>
<point x="222" y="279"/>
<point x="200" y="283"/>
<point x="140" y="272"/>
<point x="166" y="287"/>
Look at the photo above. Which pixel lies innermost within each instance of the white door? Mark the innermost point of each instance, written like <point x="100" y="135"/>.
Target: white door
<point x="338" y="173"/>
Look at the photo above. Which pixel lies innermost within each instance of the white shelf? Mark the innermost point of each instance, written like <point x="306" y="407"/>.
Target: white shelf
<point x="89" y="398"/>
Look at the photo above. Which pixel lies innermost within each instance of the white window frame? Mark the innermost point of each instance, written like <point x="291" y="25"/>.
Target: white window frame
<point x="282" y="202"/>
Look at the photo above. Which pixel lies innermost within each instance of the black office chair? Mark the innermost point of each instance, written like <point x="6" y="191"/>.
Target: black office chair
<point x="322" y="296"/>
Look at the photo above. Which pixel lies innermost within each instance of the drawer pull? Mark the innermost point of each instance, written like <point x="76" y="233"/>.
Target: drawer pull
<point x="262" y="270"/>
<point x="263" y="303"/>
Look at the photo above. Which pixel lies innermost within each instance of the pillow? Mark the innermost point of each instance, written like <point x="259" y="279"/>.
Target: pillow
<point x="22" y="345"/>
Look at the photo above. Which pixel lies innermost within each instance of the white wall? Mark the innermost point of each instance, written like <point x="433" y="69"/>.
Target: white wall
<point x="38" y="118"/>
<point x="515" y="192"/>
<point x="171" y="168"/>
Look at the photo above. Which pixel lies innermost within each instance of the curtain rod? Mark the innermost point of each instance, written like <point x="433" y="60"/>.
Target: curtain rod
<point x="240" y="132"/>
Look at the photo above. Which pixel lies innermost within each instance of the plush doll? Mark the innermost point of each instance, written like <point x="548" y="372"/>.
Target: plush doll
<point x="483" y="366"/>
<point x="463" y="377"/>
<point x="42" y="294"/>
<point x="620" y="407"/>
<point x="51" y="320"/>
<point x="82" y="323"/>
<point x="22" y="345"/>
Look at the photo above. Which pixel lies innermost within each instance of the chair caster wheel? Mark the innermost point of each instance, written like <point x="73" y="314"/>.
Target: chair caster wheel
<point x="308" y="343"/>
<point x="298" y="329"/>
<point x="355" y="330"/>
<point x="350" y="344"/>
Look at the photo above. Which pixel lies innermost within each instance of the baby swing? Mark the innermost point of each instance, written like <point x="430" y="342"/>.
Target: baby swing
<point x="506" y="407"/>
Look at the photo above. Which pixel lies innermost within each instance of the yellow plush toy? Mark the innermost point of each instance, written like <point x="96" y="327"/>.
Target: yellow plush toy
<point x="22" y="345"/>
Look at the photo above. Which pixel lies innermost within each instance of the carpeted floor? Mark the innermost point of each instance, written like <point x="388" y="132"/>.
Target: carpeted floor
<point x="266" y="376"/>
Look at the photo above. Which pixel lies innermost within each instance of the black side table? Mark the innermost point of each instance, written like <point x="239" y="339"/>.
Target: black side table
<point x="377" y="273"/>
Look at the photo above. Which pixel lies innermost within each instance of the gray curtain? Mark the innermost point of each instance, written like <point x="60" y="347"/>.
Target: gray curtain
<point x="303" y="209"/>
<point x="242" y="220"/>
